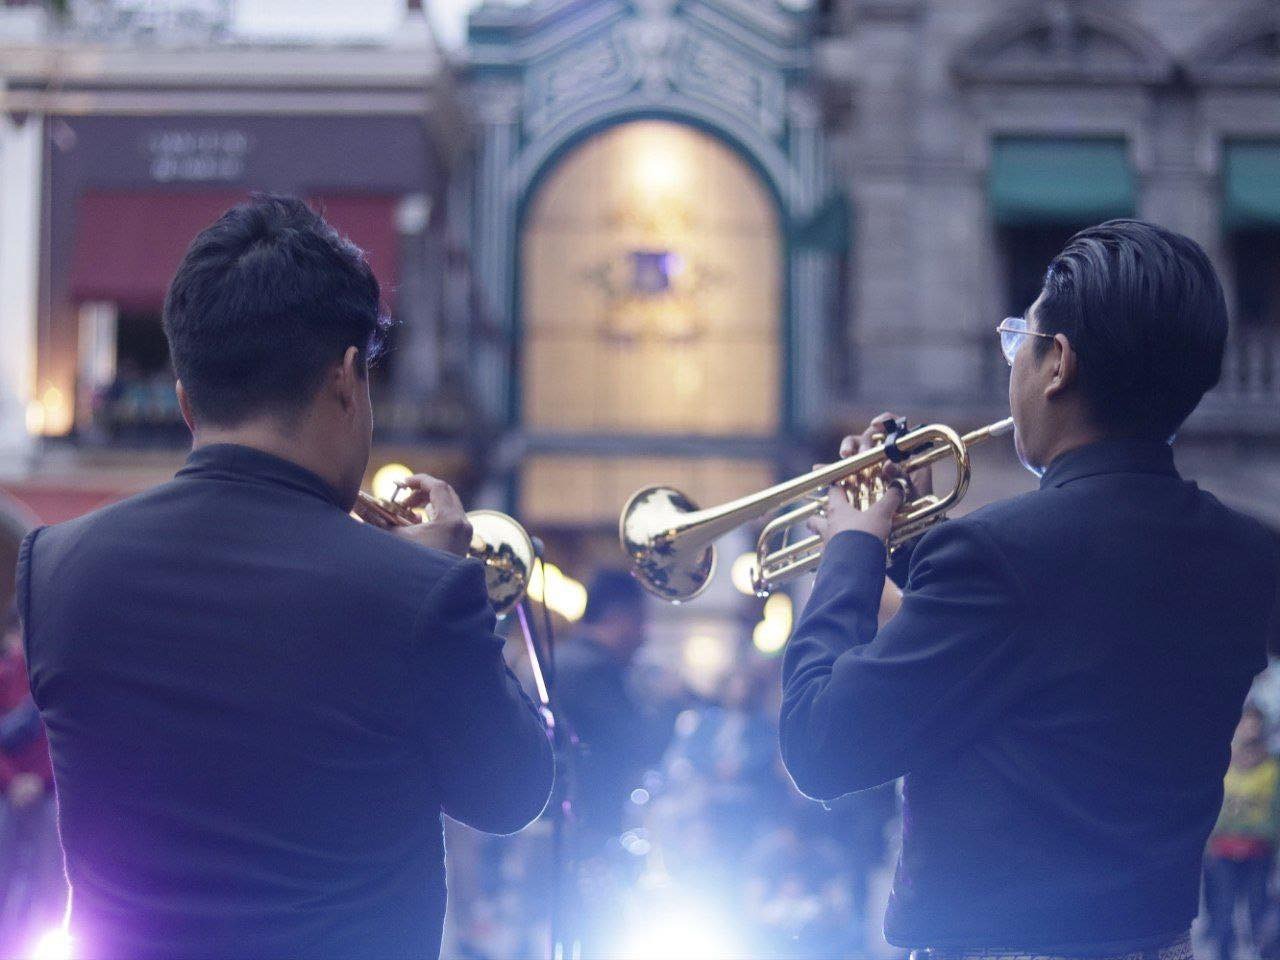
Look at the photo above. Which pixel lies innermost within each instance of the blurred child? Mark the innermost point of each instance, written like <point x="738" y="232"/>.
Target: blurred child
<point x="1242" y="847"/>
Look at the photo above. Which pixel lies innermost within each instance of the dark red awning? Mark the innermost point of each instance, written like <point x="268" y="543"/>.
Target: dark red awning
<point x="129" y="242"/>
<point x="368" y="221"/>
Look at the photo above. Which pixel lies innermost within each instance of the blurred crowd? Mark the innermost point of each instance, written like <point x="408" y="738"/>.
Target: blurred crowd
<point x="1241" y="907"/>
<point x="690" y="839"/>
<point x="682" y="834"/>
<point x="685" y="836"/>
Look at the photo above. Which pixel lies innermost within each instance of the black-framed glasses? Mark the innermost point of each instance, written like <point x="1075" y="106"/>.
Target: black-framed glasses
<point x="1013" y="334"/>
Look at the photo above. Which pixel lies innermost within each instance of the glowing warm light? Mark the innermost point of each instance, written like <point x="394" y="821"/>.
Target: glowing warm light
<point x="772" y="632"/>
<point x="385" y="480"/>
<point x="49" y="416"/>
<point x="35" y="418"/>
<point x="658" y="170"/>
<point x="54" y="945"/>
<point x="706" y="657"/>
<point x="768" y="637"/>
<point x="743" y="572"/>
<point x="778" y="607"/>
<point x="685" y="932"/>
<point x="563" y="595"/>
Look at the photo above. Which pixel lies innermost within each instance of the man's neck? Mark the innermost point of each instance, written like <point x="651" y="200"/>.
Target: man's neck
<point x="1072" y="439"/>
<point x="275" y="440"/>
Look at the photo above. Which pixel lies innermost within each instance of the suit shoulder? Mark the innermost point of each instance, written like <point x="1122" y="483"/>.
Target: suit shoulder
<point x="439" y="584"/>
<point x="1022" y="507"/>
<point x="986" y="528"/>
<point x="1029" y="517"/>
<point x="983" y="543"/>
<point x="1242" y="523"/>
<point x="56" y="536"/>
<point x="1259" y="540"/>
<point x="376" y="554"/>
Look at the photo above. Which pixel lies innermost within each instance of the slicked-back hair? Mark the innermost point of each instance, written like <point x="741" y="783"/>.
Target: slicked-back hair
<point x="264" y="302"/>
<point x="1144" y="311"/>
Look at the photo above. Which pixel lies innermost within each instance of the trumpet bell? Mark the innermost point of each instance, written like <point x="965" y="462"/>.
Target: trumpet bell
<point x="673" y="568"/>
<point x="506" y="550"/>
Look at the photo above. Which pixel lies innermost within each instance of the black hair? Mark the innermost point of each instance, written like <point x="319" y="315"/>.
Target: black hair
<point x="1144" y="311"/>
<point x="263" y="302"/>
<point x="610" y="589"/>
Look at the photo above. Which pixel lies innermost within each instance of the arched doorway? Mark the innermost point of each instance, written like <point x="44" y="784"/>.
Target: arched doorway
<point x="651" y="292"/>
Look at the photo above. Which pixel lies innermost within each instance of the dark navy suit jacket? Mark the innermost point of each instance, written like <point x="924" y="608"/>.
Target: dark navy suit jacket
<point x="257" y="710"/>
<point x="1059" y="687"/>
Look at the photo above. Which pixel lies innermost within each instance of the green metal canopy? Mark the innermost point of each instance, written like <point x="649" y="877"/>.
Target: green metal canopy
<point x="1252" y="184"/>
<point x="1060" y="181"/>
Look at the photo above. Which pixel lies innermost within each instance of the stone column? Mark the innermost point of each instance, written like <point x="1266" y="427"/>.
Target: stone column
<point x="884" y="308"/>
<point x="21" y="164"/>
<point x="495" y="246"/>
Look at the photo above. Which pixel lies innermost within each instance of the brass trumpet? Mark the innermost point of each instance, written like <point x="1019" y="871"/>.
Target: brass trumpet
<point x="669" y="541"/>
<point x="497" y="540"/>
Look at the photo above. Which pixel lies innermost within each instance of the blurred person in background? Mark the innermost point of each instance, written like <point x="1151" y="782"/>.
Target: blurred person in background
<point x="1242" y="848"/>
<point x="257" y="707"/>
<point x="618" y="738"/>
<point x="726" y="755"/>
<point x="1061" y="683"/>
<point x="33" y="892"/>
<point x="796" y="895"/>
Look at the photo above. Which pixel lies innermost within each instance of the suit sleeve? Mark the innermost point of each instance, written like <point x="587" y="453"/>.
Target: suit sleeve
<point x="22" y="592"/>
<point x="22" y="577"/>
<point x="485" y="737"/>
<point x="861" y="708"/>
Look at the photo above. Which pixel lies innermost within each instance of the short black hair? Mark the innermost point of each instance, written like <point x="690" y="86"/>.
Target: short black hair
<point x="1144" y="311"/>
<point x="611" y="589"/>
<point x="263" y="302"/>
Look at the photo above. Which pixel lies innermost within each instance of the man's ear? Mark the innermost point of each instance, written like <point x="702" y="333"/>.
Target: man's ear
<point x="348" y="378"/>
<point x="1065" y="366"/>
<point x="184" y="404"/>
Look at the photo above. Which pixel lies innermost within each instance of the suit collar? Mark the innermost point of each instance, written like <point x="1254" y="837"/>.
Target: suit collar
<point x="1110" y="456"/>
<point x="231" y="461"/>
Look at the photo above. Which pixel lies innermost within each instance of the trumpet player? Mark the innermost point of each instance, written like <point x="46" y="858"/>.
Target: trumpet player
<point x="257" y="707"/>
<point x="1060" y="685"/>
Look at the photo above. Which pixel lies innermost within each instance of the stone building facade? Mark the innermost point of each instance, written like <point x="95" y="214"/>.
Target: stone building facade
<point x="955" y="145"/>
<point x="659" y="240"/>
<point x="956" y="127"/>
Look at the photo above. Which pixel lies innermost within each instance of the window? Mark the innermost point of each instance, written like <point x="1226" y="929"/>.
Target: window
<point x="1251" y="216"/>
<point x="1041" y="191"/>
<point x="138" y="402"/>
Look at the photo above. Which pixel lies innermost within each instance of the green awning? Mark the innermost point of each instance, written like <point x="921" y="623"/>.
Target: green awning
<point x="1060" y="181"/>
<point x="1252" y="184"/>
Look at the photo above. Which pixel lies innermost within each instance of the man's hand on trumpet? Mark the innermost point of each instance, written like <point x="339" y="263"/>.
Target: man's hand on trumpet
<point x="447" y="527"/>
<point x="842" y="511"/>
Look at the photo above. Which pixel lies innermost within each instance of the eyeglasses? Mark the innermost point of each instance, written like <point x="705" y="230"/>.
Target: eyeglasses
<point x="1013" y="334"/>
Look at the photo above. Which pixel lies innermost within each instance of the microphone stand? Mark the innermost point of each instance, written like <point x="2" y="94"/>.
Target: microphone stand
<point x="562" y="943"/>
